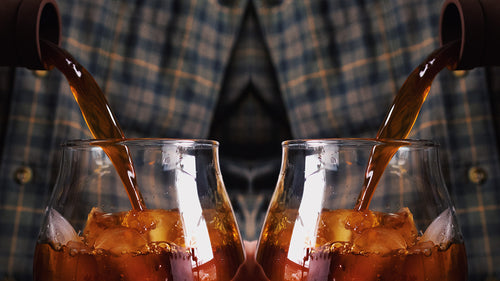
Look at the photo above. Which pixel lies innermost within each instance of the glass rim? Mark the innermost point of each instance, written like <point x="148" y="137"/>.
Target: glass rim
<point x="355" y="142"/>
<point x="81" y="143"/>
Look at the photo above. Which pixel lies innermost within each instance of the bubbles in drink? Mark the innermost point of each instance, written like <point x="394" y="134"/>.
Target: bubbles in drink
<point x="140" y="244"/>
<point x="136" y="229"/>
<point x="361" y="244"/>
<point x="135" y="245"/>
<point x="364" y="245"/>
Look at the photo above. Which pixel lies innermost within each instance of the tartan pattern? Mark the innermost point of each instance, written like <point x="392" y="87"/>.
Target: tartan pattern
<point x="163" y="64"/>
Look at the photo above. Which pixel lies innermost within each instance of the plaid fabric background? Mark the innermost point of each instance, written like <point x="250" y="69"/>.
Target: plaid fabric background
<point x="163" y="66"/>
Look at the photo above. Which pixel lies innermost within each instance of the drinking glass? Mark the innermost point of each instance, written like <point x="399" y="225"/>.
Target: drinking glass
<point x="186" y="229"/>
<point x="313" y="231"/>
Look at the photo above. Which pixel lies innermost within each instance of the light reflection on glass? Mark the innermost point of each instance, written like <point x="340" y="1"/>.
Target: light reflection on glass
<point x="195" y="227"/>
<point x="304" y="231"/>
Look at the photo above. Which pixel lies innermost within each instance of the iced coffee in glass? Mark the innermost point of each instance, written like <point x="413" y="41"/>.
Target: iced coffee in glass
<point x="316" y="230"/>
<point x="183" y="228"/>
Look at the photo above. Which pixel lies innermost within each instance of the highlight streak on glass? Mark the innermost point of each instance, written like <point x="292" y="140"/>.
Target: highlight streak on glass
<point x="305" y="228"/>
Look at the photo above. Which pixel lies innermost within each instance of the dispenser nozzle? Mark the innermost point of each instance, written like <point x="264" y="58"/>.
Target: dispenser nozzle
<point x="23" y="23"/>
<point x="476" y="24"/>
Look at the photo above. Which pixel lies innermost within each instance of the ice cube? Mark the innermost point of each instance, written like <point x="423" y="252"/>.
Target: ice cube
<point x="379" y="240"/>
<point x="105" y="231"/>
<point x="58" y="230"/>
<point x="358" y="221"/>
<point x="140" y="227"/>
<point x="402" y="221"/>
<point x="395" y="231"/>
<point x="441" y="230"/>
<point x="119" y="240"/>
<point x="98" y="221"/>
<point x="158" y="225"/>
<point x="341" y="225"/>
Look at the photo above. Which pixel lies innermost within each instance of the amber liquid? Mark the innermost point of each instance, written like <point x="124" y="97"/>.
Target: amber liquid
<point x="358" y="245"/>
<point x="97" y="114"/>
<point x="339" y="265"/>
<point x="140" y="244"/>
<point x="131" y="246"/>
<point x="402" y="116"/>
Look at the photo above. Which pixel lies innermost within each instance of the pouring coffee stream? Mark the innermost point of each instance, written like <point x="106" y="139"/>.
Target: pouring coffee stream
<point x="97" y="114"/>
<point x="402" y="116"/>
<point x="397" y="124"/>
<point x="467" y="33"/>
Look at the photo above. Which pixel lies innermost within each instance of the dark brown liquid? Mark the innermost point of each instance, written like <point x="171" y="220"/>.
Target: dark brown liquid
<point x="162" y="263"/>
<point x="402" y="116"/>
<point x="358" y="245"/>
<point x="97" y="114"/>
<point x="337" y="265"/>
<point x="361" y="244"/>
<point x="141" y="245"/>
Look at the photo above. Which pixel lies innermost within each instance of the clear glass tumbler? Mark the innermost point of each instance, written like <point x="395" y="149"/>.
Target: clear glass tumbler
<point x="186" y="229"/>
<point x="313" y="231"/>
